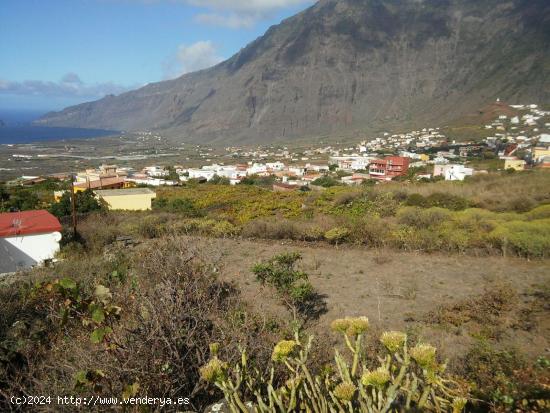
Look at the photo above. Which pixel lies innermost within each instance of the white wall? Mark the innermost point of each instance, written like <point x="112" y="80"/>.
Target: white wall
<point x="39" y="247"/>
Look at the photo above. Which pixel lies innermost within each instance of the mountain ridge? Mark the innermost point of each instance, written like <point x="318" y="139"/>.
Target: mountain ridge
<point x="346" y="65"/>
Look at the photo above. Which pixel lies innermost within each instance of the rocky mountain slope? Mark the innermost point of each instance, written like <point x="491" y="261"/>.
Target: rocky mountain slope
<point x="347" y="65"/>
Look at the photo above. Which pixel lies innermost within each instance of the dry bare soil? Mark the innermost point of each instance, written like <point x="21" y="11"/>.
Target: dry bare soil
<point x="447" y="300"/>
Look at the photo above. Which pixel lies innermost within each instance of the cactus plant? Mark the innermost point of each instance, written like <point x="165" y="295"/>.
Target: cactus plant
<point x="405" y="379"/>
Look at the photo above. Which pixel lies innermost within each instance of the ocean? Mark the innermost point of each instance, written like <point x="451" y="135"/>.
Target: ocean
<point x="16" y="127"/>
<point x="30" y="134"/>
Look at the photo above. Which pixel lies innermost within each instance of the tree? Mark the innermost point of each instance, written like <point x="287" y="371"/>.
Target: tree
<point x="172" y="174"/>
<point x="85" y="202"/>
<point x="219" y="180"/>
<point x="4" y="198"/>
<point x="326" y="182"/>
<point x="23" y="200"/>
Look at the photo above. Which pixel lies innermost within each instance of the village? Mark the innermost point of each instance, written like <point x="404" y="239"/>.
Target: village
<point x="517" y="143"/>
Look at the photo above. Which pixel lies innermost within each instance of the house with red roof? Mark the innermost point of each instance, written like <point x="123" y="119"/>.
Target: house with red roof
<point x="27" y="238"/>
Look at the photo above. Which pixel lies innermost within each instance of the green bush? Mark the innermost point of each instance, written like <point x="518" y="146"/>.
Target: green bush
<point x="423" y="218"/>
<point x="271" y="229"/>
<point x="182" y="206"/>
<point x="152" y="227"/>
<point x="541" y="212"/>
<point x="524" y="238"/>
<point x="505" y="379"/>
<point x="85" y="202"/>
<point x="291" y="284"/>
<point x="438" y="199"/>
<point x="337" y="235"/>
<point x="326" y="182"/>
<point x="372" y="231"/>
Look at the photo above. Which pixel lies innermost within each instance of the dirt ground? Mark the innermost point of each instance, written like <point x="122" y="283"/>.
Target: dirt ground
<point x="399" y="290"/>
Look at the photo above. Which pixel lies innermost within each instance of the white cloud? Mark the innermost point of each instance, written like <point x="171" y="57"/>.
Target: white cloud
<point x="231" y="20"/>
<point x="70" y="85"/>
<point x="237" y="14"/>
<point x="251" y="6"/>
<point x="190" y="58"/>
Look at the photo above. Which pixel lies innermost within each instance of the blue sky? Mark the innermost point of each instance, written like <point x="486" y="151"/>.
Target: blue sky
<point x="55" y="53"/>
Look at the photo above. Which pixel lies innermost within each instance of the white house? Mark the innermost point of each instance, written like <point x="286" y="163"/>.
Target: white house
<point x="297" y="170"/>
<point x="27" y="238"/>
<point x="275" y="166"/>
<point x="201" y="173"/>
<point x="257" y="169"/>
<point x="155" y="171"/>
<point x="453" y="172"/>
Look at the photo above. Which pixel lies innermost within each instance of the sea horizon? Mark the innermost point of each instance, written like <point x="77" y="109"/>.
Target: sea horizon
<point x="16" y="127"/>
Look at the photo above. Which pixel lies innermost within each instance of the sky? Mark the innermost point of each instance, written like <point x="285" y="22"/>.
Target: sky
<point x="56" y="53"/>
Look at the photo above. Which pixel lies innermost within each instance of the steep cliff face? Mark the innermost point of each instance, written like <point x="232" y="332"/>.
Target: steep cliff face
<point x="344" y="65"/>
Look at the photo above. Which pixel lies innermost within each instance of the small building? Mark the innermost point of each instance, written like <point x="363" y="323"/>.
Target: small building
<point x="540" y="152"/>
<point x="27" y="239"/>
<point x="388" y="168"/>
<point x="544" y="162"/>
<point x="206" y="174"/>
<point x="515" y="164"/>
<point x="453" y="172"/>
<point x="131" y="199"/>
<point x="102" y="183"/>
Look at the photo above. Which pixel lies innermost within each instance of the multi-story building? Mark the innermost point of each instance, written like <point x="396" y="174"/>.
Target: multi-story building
<point x="388" y="168"/>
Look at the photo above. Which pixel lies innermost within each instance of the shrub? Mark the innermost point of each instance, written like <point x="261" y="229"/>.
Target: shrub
<point x="183" y="206"/>
<point x="449" y="201"/>
<point x="404" y="380"/>
<point x="270" y="229"/>
<point x="422" y="218"/>
<point x="337" y="235"/>
<point x="326" y="182"/>
<point x="526" y="239"/>
<point x="541" y="212"/>
<point x="292" y="285"/>
<point x="416" y="200"/>
<point x="85" y="202"/>
<point x="520" y="204"/>
<point x="151" y="227"/>
<point x="505" y="379"/>
<point x="145" y="335"/>
<point x="372" y="231"/>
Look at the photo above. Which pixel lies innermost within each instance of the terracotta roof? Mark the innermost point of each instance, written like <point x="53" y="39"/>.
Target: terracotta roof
<point x="100" y="183"/>
<point x="28" y="222"/>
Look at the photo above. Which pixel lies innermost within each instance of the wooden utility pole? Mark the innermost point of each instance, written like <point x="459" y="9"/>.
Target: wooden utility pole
<point x="73" y="205"/>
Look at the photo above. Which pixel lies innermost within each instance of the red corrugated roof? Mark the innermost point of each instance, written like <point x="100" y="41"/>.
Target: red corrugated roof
<point x="28" y="222"/>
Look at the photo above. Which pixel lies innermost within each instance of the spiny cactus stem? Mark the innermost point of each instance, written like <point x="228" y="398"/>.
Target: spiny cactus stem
<point x="356" y="354"/>
<point x="289" y="367"/>
<point x="424" y="397"/>
<point x="292" y="403"/>
<point x="436" y="400"/>
<point x="263" y="407"/>
<point x="314" y="388"/>
<point x="228" y="396"/>
<point x="411" y="390"/>
<point x="273" y="395"/>
<point x="348" y="344"/>
<point x="392" y="390"/>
